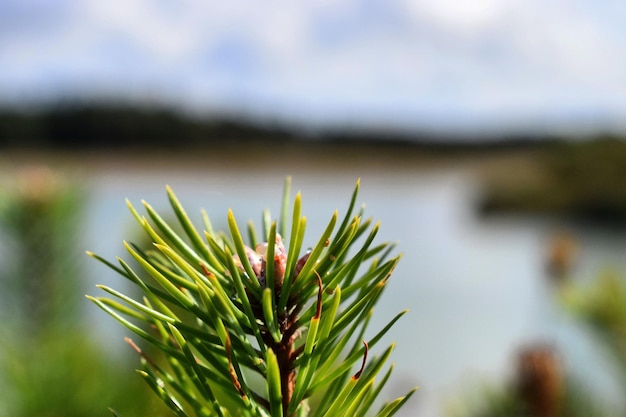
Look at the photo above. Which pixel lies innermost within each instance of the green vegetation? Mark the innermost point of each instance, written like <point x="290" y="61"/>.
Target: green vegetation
<point x="602" y="307"/>
<point x="50" y="363"/>
<point x="259" y="329"/>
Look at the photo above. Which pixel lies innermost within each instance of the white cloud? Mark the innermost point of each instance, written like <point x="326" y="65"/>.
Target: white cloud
<point x="465" y="17"/>
<point x="407" y="59"/>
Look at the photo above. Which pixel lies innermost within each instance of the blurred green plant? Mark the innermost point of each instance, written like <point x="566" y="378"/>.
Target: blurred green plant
<point x="47" y="358"/>
<point x="39" y="217"/>
<point x="259" y="332"/>
<point x="541" y="387"/>
<point x="602" y="307"/>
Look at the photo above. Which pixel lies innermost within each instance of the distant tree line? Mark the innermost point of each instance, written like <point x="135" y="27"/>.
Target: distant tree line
<point x="583" y="180"/>
<point x="114" y="126"/>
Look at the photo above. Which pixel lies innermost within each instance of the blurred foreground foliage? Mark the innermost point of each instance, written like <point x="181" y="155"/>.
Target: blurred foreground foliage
<point x="49" y="365"/>
<point x="542" y="387"/>
<point x="602" y="307"/>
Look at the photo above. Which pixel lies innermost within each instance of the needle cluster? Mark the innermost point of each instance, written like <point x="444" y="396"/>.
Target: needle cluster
<point x="258" y="328"/>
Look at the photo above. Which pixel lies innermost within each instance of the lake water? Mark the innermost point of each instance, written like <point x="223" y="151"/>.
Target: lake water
<point x="476" y="288"/>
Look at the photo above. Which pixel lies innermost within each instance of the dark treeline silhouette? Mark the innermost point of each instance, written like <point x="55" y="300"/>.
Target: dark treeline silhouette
<point x="116" y="126"/>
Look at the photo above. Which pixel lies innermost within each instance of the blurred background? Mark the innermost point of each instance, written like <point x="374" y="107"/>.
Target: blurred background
<point x="488" y="136"/>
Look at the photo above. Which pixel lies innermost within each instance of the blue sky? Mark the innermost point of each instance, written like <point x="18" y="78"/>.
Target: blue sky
<point x="430" y="64"/>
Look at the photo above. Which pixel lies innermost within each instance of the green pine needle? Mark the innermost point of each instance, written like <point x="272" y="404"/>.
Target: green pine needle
<point x="224" y="314"/>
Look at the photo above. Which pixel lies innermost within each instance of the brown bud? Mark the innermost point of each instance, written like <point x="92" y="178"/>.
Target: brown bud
<point x="540" y="381"/>
<point x="280" y="261"/>
<point x="300" y="264"/>
<point x="255" y="261"/>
